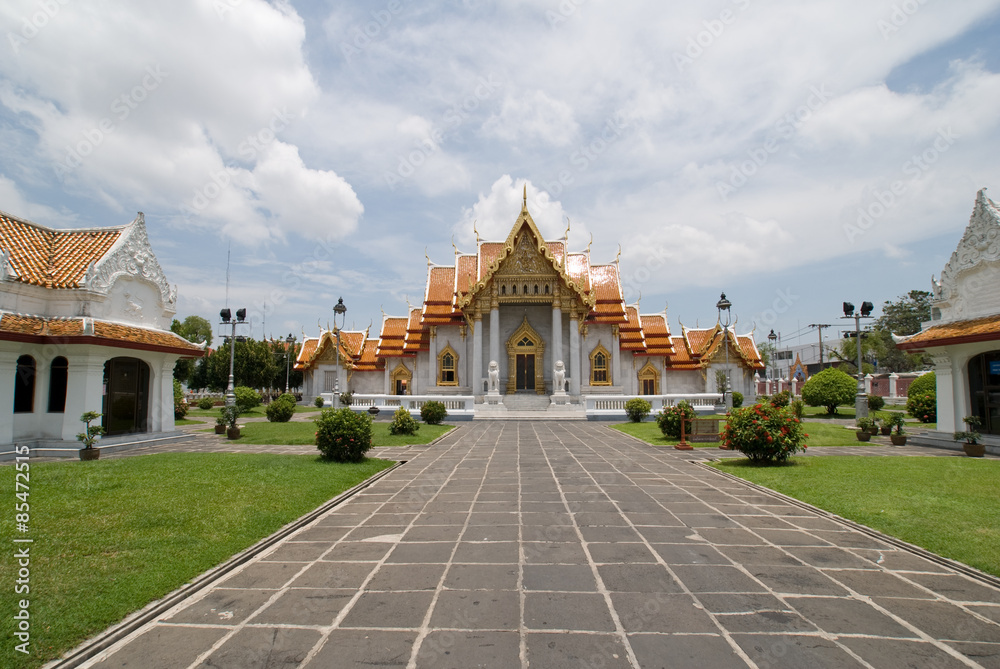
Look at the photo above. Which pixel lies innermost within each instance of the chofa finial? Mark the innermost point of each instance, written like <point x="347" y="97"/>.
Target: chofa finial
<point x="524" y="203"/>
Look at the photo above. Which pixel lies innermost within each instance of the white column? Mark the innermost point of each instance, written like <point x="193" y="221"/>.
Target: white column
<point x="948" y="419"/>
<point x="84" y="390"/>
<point x="893" y="381"/>
<point x="8" y="369"/>
<point x="556" y="340"/>
<point x="574" y="356"/>
<point x="477" y="355"/>
<point x="495" y="335"/>
<point x="165" y="382"/>
<point x="387" y="378"/>
<point x="616" y="360"/>
<point x="432" y="359"/>
<point x="868" y="384"/>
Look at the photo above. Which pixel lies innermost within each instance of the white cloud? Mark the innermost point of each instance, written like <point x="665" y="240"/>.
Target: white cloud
<point x="533" y="117"/>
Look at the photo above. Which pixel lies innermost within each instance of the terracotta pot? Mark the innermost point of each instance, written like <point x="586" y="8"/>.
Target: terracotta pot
<point x="863" y="435"/>
<point x="873" y="430"/>
<point x="886" y="431"/>
<point x="220" y="429"/>
<point x="898" y="439"/>
<point x="974" y="450"/>
<point x="89" y="454"/>
<point x="233" y="432"/>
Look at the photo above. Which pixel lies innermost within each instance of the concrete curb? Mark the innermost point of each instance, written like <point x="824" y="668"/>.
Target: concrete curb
<point x="965" y="569"/>
<point x="88" y="649"/>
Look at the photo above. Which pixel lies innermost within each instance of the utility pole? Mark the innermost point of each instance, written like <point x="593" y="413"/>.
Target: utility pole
<point x="819" y="327"/>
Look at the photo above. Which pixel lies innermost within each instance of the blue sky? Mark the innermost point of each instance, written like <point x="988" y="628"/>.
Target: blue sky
<point x="794" y="155"/>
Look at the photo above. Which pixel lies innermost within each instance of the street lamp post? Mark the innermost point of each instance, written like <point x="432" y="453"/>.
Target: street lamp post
<point x="338" y="310"/>
<point x="724" y="305"/>
<point x="861" y="399"/>
<point x="773" y="338"/>
<point x="227" y="319"/>
<point x="290" y="341"/>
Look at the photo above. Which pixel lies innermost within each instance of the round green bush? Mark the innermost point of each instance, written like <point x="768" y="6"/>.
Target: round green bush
<point x="764" y="433"/>
<point x="318" y="402"/>
<point x="921" y="398"/>
<point x="433" y="412"/>
<point x="180" y="404"/>
<point x="925" y="383"/>
<point x="247" y="399"/>
<point x="281" y="409"/>
<point x="781" y="400"/>
<point x="343" y="435"/>
<point x="669" y="418"/>
<point x="737" y="399"/>
<point x="206" y="403"/>
<point x="403" y="423"/>
<point x="637" y="408"/>
<point x="875" y="402"/>
<point x="829" y="388"/>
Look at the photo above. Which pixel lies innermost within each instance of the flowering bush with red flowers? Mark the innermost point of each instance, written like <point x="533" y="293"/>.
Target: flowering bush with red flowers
<point x="669" y="419"/>
<point x="764" y="433"/>
<point x="923" y="407"/>
<point x="343" y="435"/>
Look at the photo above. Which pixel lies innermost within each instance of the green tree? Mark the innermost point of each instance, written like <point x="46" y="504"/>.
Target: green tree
<point x="285" y="355"/>
<point x="903" y="317"/>
<point x="195" y="329"/>
<point x="829" y="388"/>
<point x="254" y="365"/>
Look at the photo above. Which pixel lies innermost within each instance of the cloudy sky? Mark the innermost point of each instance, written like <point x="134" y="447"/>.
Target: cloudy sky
<point x="794" y="155"/>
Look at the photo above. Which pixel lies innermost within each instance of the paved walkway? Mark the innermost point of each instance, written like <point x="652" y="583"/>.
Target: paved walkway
<point x="570" y="545"/>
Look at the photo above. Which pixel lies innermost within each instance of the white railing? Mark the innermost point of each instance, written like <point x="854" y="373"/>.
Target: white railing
<point x="603" y="405"/>
<point x="457" y="405"/>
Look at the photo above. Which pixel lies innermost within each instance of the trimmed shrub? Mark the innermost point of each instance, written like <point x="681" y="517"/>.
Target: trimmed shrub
<point x="829" y="388"/>
<point x="875" y="402"/>
<point x="669" y="419"/>
<point x="180" y="405"/>
<point x="921" y="401"/>
<point x="798" y="407"/>
<point x="403" y="423"/>
<point x="247" y="399"/>
<point x="318" y="402"/>
<point x="347" y="399"/>
<point x="433" y="412"/>
<point x="206" y="403"/>
<point x="637" y="408"/>
<point x="281" y="409"/>
<point x="764" y="433"/>
<point x="781" y="400"/>
<point x="737" y="399"/>
<point x="343" y="435"/>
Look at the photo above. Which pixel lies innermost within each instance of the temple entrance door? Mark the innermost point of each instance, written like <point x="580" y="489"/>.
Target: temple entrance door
<point x="126" y="396"/>
<point x="525" y="371"/>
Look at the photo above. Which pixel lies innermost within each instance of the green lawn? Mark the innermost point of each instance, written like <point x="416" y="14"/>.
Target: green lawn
<point x="299" y="433"/>
<point x="112" y="535"/>
<point x="947" y="505"/>
<point x="820" y="434"/>
<point x="258" y="412"/>
<point x="650" y="433"/>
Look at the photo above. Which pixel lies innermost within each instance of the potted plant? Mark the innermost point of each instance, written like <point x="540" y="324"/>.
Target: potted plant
<point x="220" y="425"/>
<point x="230" y="415"/>
<point x="885" y="422"/>
<point x="90" y="434"/>
<point x="894" y="419"/>
<point x="972" y="447"/>
<point x="864" y="427"/>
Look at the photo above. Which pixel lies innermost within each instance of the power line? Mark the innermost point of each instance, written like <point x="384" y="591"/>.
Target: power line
<point x="819" y="327"/>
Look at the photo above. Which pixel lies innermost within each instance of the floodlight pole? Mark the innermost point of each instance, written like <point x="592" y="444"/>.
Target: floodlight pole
<point x="227" y="319"/>
<point x="861" y="398"/>
<point x="290" y="341"/>
<point x="338" y="310"/>
<point x="724" y="305"/>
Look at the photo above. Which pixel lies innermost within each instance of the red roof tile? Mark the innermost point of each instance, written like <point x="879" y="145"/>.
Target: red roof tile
<point x="76" y="331"/>
<point x="958" y="332"/>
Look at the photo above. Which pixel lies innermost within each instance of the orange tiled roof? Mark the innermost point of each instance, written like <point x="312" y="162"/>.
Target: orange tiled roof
<point x="368" y="360"/>
<point x="578" y="269"/>
<point x="465" y="274"/>
<point x="417" y="337"/>
<point x="306" y="353"/>
<point x="749" y="350"/>
<point x="607" y="290"/>
<point x="489" y="252"/>
<point x="630" y="333"/>
<point x="392" y="339"/>
<point x="656" y="331"/>
<point x="958" y="332"/>
<point x="682" y="357"/>
<point x="89" y="331"/>
<point x="53" y="258"/>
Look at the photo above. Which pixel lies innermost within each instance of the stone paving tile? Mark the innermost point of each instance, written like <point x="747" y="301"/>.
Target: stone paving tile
<point x="571" y="545"/>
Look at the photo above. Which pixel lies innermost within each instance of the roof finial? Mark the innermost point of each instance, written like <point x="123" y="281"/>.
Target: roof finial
<point x="591" y="243"/>
<point x="638" y="302"/>
<point x="566" y="234"/>
<point x="619" y="256"/>
<point x="427" y="256"/>
<point x="475" y="231"/>
<point x="524" y="204"/>
<point x="453" y="245"/>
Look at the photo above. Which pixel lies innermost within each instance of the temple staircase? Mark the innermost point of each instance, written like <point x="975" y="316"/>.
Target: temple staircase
<point x="529" y="406"/>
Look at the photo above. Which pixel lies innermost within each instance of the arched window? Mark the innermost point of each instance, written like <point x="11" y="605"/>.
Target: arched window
<point x="649" y="380"/>
<point x="448" y="367"/>
<point x="401" y="378"/>
<point x="546" y="289"/>
<point x="984" y="391"/>
<point x="536" y="289"/>
<point x="513" y="289"/>
<point x="24" y="385"/>
<point x="58" y="377"/>
<point x="503" y="290"/>
<point x="600" y="367"/>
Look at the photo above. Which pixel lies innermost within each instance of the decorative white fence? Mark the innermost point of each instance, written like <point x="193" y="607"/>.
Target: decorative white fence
<point x="458" y="406"/>
<point x="603" y="405"/>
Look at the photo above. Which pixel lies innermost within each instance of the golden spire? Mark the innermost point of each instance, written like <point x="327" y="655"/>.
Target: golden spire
<point x="566" y="234"/>
<point x="475" y="231"/>
<point x="619" y="256"/>
<point x="427" y="256"/>
<point x="453" y="245"/>
<point x="524" y="205"/>
<point x="591" y="243"/>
